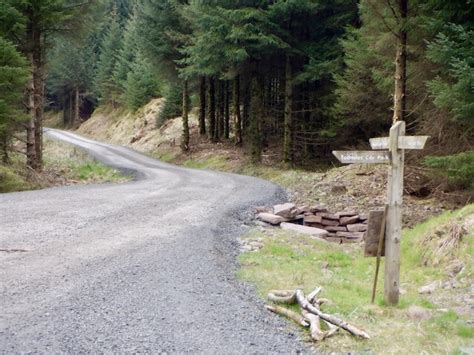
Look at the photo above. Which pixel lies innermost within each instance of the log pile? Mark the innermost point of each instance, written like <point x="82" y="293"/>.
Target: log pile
<point x="342" y="227"/>
<point x="321" y="325"/>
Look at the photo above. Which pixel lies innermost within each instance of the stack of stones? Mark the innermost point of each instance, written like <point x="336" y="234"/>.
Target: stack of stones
<point x="341" y="227"/>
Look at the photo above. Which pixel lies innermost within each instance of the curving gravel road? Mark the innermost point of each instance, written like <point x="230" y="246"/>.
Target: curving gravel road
<point x="145" y="266"/>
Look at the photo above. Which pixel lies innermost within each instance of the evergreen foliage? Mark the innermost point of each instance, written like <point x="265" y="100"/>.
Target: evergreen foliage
<point x="171" y="108"/>
<point x="13" y="77"/>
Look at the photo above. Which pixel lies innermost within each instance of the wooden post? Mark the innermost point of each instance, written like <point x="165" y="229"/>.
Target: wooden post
<point x="394" y="216"/>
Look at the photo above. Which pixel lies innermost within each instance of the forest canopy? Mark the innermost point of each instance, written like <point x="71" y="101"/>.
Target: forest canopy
<point x="303" y="75"/>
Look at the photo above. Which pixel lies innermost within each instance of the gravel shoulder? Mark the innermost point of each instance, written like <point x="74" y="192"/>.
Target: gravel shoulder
<point x="144" y="266"/>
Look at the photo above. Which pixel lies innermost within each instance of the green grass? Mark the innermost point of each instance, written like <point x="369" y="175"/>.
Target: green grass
<point x="289" y="261"/>
<point x="63" y="163"/>
<point x="75" y="164"/>
<point x="13" y="179"/>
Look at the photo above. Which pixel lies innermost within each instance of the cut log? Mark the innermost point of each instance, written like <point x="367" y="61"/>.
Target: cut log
<point x="357" y="227"/>
<point x="303" y="302"/>
<point x="270" y="218"/>
<point x="315" y="232"/>
<point x="295" y="317"/>
<point x="348" y="220"/>
<point x="312" y="219"/>
<point x="329" y="222"/>
<point x="285" y="298"/>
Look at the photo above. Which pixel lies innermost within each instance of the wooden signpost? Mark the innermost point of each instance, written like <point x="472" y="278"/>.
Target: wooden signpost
<point x="389" y="150"/>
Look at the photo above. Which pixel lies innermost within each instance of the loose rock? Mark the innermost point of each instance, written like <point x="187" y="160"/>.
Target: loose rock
<point x="316" y="232"/>
<point x="270" y="218"/>
<point x="418" y="313"/>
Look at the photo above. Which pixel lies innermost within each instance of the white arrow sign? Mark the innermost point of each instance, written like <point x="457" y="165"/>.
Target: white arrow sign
<point x="404" y="142"/>
<point x="362" y="156"/>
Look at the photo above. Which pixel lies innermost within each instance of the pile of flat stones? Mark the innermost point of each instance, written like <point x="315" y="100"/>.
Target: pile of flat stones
<point x="341" y="227"/>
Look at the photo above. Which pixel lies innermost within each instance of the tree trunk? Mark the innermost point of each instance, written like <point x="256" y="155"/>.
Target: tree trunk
<point x="256" y="113"/>
<point x="76" y="118"/>
<point x="202" y="106"/>
<point x="185" y="137"/>
<point x="226" y="110"/>
<point x="220" y="110"/>
<point x="212" y="110"/>
<point x="288" y="112"/>
<point x="38" y="88"/>
<point x="399" y="97"/>
<point x="246" y="104"/>
<point x="30" y="125"/>
<point x="236" y="105"/>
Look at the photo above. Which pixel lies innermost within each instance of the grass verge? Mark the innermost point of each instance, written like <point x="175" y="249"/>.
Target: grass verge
<point x="289" y="261"/>
<point x="63" y="165"/>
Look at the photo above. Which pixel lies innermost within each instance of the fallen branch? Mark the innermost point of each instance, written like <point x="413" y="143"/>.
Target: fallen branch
<point x="312" y="296"/>
<point x="303" y="302"/>
<point x="295" y="317"/>
<point x="282" y="296"/>
<point x="314" y="326"/>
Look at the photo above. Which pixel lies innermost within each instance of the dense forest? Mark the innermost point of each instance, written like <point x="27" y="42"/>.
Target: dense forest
<point x="304" y="75"/>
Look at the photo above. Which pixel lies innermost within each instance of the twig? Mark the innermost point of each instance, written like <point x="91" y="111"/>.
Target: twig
<point x="303" y="302"/>
<point x="295" y="317"/>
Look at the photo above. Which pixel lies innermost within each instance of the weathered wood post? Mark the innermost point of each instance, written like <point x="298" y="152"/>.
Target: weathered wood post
<point x="394" y="215"/>
<point x="396" y="144"/>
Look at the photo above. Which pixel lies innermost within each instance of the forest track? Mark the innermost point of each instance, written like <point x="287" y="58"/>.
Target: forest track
<point x="144" y="266"/>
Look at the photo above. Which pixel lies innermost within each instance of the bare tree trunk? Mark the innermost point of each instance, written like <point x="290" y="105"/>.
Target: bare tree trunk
<point x="288" y="112"/>
<point x="399" y="97"/>
<point x="212" y="110"/>
<point x="236" y="106"/>
<point x="226" y="110"/>
<point x="38" y="88"/>
<point x="202" y="106"/>
<point x="246" y="103"/>
<point x="185" y="137"/>
<point x="30" y="125"/>
<point x="256" y="117"/>
<point x="76" y="118"/>
<point x="220" y="110"/>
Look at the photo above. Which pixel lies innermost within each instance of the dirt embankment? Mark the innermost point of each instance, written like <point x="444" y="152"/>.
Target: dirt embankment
<point x="135" y="129"/>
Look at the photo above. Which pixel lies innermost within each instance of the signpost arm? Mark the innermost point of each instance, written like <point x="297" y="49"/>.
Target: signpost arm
<point x="394" y="216"/>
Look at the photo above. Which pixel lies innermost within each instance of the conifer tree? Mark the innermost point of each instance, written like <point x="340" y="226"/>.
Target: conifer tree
<point x="13" y="77"/>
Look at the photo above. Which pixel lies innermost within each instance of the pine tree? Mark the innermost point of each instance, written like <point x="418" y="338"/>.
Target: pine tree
<point x="107" y="86"/>
<point x="13" y="78"/>
<point x="141" y="84"/>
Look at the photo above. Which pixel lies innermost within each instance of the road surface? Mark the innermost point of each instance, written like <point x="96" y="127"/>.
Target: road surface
<point x="144" y="266"/>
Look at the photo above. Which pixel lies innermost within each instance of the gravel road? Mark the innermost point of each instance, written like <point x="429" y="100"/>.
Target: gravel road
<point x="145" y="266"/>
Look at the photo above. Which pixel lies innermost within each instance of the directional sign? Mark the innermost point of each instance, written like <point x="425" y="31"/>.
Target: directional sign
<point x="404" y="142"/>
<point x="362" y="156"/>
